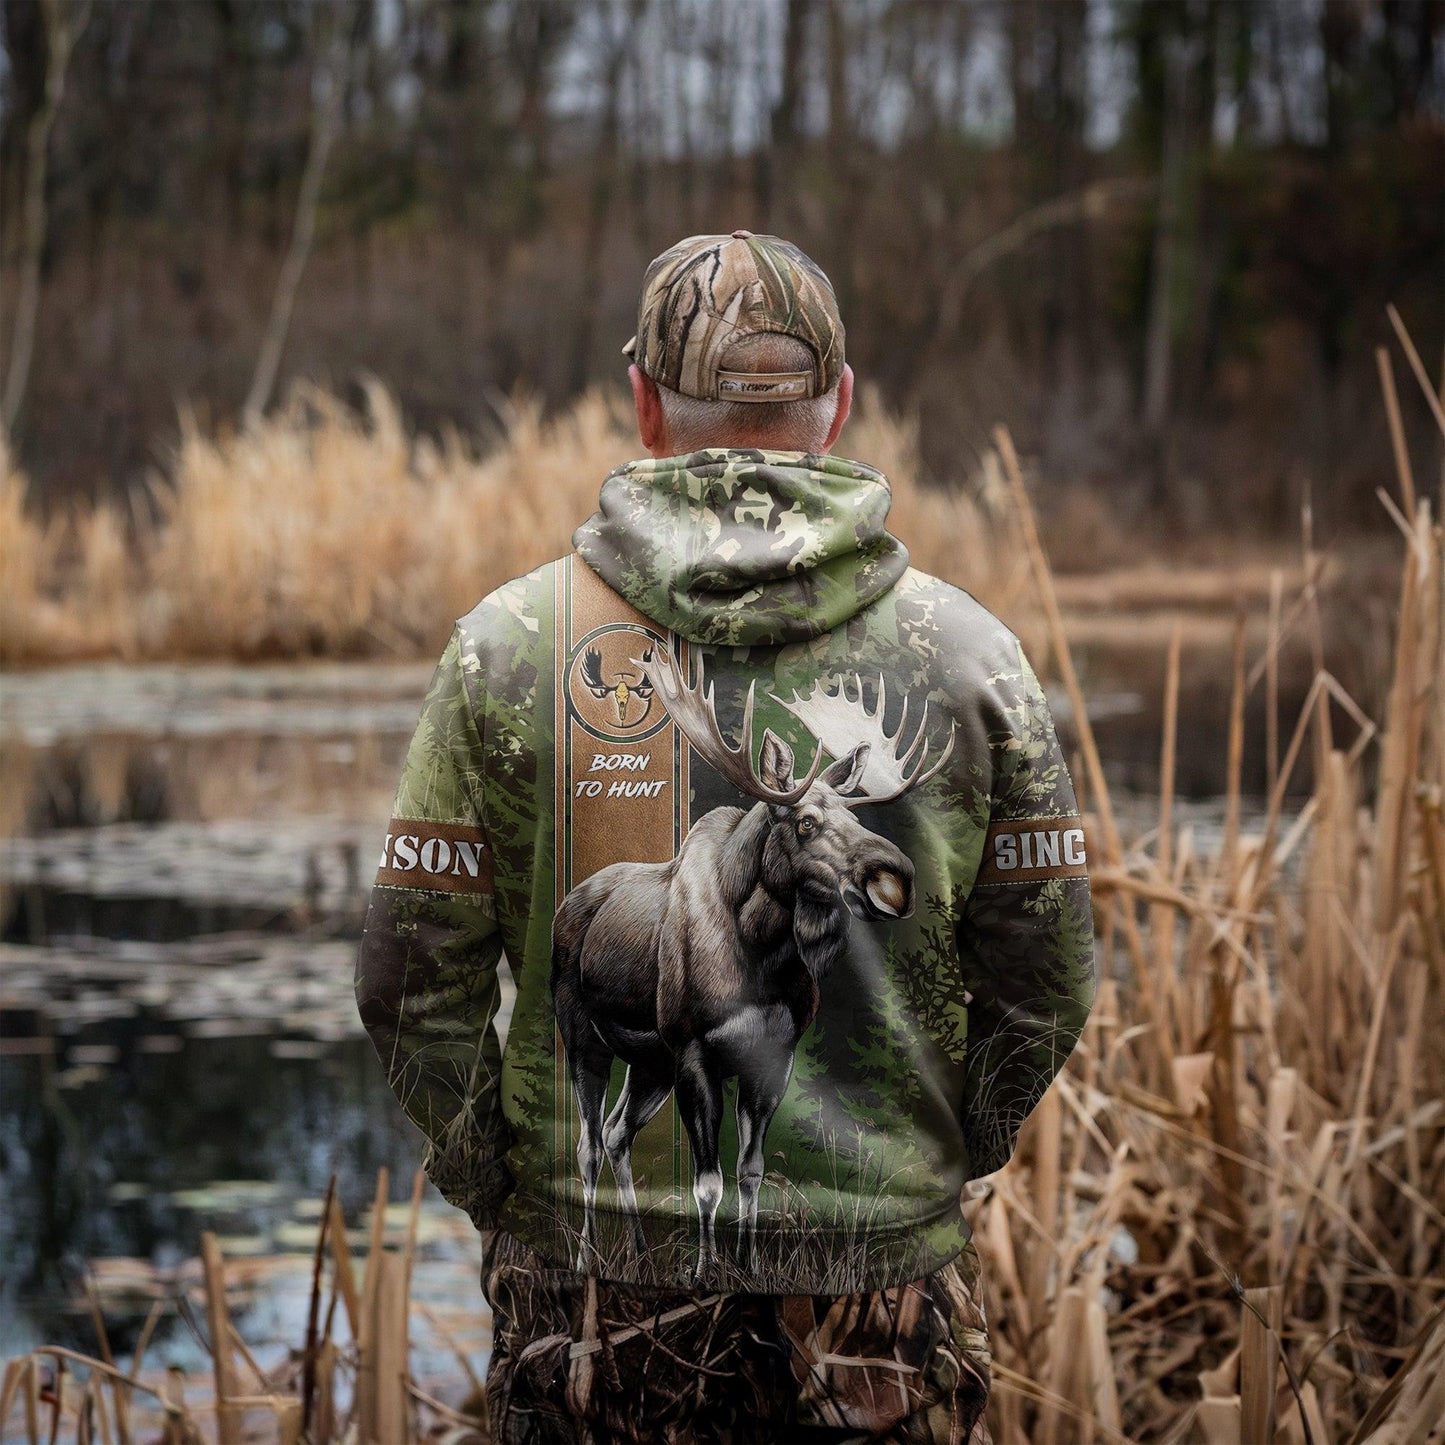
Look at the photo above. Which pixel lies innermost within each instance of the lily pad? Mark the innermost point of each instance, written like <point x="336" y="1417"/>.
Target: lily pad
<point x="229" y="1194"/>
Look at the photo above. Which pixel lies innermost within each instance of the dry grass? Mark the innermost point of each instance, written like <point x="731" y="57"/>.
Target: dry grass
<point x="324" y="532"/>
<point x="69" y="586"/>
<point x="1224" y="1223"/>
<point x="325" y="1391"/>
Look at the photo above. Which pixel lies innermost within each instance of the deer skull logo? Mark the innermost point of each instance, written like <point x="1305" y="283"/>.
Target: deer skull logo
<point x="607" y="690"/>
<point x="623" y="688"/>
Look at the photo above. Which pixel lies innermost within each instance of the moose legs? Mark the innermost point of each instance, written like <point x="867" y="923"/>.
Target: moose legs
<point x="589" y="1066"/>
<point x="755" y="1047"/>
<point x="699" y="1093"/>
<point x="760" y="1089"/>
<point x="589" y="1072"/>
<point x="641" y="1097"/>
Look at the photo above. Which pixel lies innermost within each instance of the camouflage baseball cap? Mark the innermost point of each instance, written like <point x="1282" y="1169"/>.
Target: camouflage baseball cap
<point x="708" y="292"/>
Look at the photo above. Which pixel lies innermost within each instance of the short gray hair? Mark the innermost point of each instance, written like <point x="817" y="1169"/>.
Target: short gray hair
<point x="791" y="426"/>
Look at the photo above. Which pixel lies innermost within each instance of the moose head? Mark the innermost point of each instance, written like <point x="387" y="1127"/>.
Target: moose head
<point x="820" y="837"/>
<point x="816" y="840"/>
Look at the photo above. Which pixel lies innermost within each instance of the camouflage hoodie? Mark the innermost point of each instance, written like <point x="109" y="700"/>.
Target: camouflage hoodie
<point x="774" y="837"/>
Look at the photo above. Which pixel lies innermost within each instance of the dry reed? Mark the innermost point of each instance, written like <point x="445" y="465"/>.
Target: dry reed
<point x="1225" y="1223"/>
<point x="356" y="1389"/>
<point x="324" y="531"/>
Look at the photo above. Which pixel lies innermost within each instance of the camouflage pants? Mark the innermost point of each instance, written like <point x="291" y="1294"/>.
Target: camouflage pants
<point x="579" y="1359"/>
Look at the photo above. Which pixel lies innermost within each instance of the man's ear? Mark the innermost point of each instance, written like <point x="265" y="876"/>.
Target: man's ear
<point x="651" y="424"/>
<point x="845" y="405"/>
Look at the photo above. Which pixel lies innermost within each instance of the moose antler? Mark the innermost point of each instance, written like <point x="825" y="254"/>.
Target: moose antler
<point x="691" y="707"/>
<point x="840" y="723"/>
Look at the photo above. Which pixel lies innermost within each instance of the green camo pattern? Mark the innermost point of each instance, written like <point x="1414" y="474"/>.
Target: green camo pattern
<point x="935" y="1035"/>
<point x="745" y="547"/>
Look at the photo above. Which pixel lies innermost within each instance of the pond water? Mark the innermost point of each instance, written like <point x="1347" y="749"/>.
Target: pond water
<point x="182" y="886"/>
<point x="186" y="858"/>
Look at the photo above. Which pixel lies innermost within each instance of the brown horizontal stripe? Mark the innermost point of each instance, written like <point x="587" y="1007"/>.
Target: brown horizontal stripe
<point x="1033" y="850"/>
<point x="435" y="857"/>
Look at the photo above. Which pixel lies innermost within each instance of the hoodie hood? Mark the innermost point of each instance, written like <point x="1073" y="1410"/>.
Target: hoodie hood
<point x="736" y="546"/>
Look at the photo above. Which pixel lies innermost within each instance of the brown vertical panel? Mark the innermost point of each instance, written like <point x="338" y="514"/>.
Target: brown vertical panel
<point x="621" y="785"/>
<point x="561" y="1096"/>
<point x="621" y="789"/>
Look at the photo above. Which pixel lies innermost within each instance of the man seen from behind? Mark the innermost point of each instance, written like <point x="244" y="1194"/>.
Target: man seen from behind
<point x="776" y="839"/>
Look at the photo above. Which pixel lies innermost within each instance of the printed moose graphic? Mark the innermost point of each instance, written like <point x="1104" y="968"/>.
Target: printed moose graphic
<point x="709" y="967"/>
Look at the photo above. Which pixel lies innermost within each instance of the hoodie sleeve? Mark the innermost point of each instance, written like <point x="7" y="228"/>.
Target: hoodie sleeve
<point x="1025" y="936"/>
<point x="426" y="977"/>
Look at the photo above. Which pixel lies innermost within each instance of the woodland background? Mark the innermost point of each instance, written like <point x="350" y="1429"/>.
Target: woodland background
<point x="1154" y="237"/>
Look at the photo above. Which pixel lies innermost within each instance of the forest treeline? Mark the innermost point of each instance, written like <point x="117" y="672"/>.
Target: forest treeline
<point x="1155" y="237"/>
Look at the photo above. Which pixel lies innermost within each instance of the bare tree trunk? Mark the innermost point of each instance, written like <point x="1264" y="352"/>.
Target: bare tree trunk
<point x="1159" y="328"/>
<point x="539" y="29"/>
<point x="728" y="37"/>
<point x="1082" y="207"/>
<point x="840" y="118"/>
<point x="619" y="48"/>
<point x="63" y="26"/>
<point x="329" y="91"/>
<point x="679" y="40"/>
<point x="776" y="153"/>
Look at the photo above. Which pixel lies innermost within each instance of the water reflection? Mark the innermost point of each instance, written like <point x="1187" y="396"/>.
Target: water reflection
<point x="121" y="1142"/>
<point x="181" y="890"/>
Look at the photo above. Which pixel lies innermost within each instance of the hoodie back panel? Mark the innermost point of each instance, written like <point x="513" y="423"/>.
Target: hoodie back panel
<point x="657" y="919"/>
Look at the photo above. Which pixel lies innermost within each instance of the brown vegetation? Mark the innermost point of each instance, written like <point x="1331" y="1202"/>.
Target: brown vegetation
<point x="321" y="532"/>
<point x="324" y="1392"/>
<point x="1220" y="1226"/>
<point x="1156" y="238"/>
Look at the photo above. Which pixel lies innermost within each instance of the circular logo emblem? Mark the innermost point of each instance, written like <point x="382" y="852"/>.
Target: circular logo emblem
<point x="607" y="690"/>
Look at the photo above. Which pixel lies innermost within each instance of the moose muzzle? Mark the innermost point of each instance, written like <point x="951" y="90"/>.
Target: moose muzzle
<point x="881" y="890"/>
